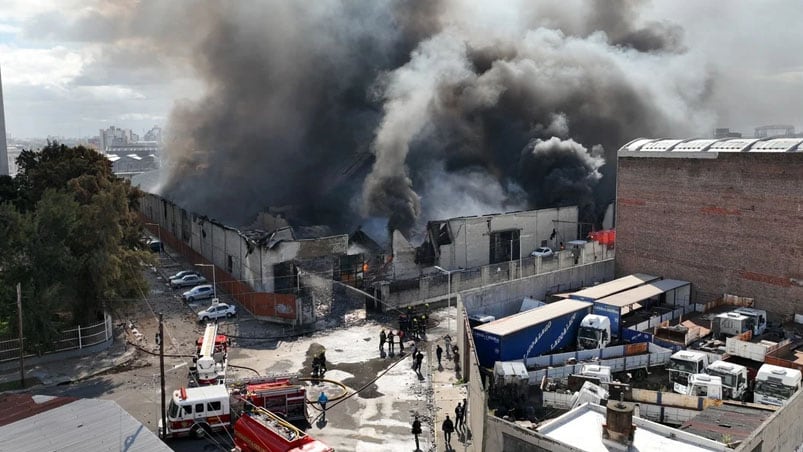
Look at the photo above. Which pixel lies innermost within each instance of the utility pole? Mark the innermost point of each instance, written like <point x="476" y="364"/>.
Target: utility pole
<point x="19" y="319"/>
<point x="162" y="371"/>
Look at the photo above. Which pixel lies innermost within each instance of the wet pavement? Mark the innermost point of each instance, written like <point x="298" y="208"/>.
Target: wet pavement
<point x="384" y="392"/>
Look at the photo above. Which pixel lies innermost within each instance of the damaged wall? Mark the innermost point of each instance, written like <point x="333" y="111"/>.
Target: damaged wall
<point x="230" y="250"/>
<point x="471" y="236"/>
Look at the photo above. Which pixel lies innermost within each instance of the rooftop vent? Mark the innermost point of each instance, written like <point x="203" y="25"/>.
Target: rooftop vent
<point x="618" y="430"/>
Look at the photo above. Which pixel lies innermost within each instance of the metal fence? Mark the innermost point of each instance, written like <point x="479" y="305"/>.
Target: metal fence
<point x="72" y="339"/>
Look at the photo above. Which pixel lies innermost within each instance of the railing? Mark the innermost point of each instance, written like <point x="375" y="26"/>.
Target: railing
<point x="72" y="339"/>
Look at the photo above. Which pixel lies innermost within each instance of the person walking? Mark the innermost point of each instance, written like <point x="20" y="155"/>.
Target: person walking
<point x="439" y="354"/>
<point x="456" y="354"/>
<point x="448" y="341"/>
<point x="418" y="359"/>
<point x="448" y="428"/>
<point x="415" y="354"/>
<point x="390" y="341"/>
<point x="416" y="432"/>
<point x="323" y="400"/>
<point x="458" y="416"/>
<point x="382" y="339"/>
<point x="401" y="342"/>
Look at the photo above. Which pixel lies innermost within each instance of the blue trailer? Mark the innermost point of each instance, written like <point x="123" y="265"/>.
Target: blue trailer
<point x="531" y="333"/>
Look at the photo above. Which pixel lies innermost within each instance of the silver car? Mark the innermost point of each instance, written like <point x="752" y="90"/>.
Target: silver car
<point x="201" y="292"/>
<point x="187" y="281"/>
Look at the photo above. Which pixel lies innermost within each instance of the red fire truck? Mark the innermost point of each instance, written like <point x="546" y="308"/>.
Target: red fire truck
<point x="263" y="431"/>
<point x="202" y="410"/>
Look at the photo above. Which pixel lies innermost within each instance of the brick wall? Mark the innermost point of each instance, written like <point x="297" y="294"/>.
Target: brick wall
<point x="731" y="224"/>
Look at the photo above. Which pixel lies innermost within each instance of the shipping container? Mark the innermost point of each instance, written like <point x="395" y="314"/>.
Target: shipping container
<point x="531" y="333"/>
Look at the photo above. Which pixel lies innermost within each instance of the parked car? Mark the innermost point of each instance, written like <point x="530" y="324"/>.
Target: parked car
<point x="217" y="311"/>
<point x="201" y="292"/>
<point x="543" y="251"/>
<point x="183" y="273"/>
<point x="156" y="246"/>
<point x="187" y="281"/>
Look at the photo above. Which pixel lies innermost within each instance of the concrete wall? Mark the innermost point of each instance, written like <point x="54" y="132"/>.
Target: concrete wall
<point x="729" y="224"/>
<point x="470" y="245"/>
<point x="781" y="432"/>
<point x="434" y="288"/>
<point x="500" y="299"/>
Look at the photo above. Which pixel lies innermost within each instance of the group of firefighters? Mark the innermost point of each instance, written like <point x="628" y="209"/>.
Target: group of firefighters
<point x="413" y="324"/>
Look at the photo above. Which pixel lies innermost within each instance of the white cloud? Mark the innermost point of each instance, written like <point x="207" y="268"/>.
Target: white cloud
<point x="110" y="92"/>
<point x="49" y="68"/>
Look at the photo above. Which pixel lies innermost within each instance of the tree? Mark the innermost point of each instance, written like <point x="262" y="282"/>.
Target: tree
<point x="71" y="237"/>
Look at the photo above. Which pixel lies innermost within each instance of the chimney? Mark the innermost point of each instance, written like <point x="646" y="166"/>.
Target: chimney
<point x="618" y="430"/>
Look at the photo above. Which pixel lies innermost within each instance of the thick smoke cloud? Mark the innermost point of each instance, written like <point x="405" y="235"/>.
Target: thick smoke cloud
<point x="334" y="112"/>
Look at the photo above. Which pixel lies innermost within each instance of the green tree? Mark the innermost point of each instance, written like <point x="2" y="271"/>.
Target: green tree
<point x="71" y="237"/>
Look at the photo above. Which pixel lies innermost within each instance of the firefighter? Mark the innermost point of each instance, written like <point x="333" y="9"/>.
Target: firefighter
<point x="423" y="324"/>
<point x="382" y="339"/>
<point x="390" y="342"/>
<point x="322" y="356"/>
<point x="414" y="329"/>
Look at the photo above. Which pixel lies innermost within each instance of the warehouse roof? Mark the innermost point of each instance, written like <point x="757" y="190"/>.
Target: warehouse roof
<point x="611" y="287"/>
<point x="642" y="293"/>
<point x="645" y="147"/>
<point x="522" y="320"/>
<point x="737" y="422"/>
<point x="56" y="423"/>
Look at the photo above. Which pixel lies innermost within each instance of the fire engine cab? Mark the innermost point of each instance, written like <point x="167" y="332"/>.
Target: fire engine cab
<point x="197" y="412"/>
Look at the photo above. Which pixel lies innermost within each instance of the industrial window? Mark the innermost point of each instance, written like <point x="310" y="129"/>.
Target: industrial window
<point x="213" y="406"/>
<point x="504" y="246"/>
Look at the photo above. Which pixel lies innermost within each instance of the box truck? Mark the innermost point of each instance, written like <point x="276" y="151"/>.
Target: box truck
<point x="531" y="333"/>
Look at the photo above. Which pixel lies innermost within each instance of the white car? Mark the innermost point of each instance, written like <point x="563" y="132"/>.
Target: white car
<point x="187" y="281"/>
<point x="201" y="292"/>
<point x="217" y="311"/>
<point x="543" y="251"/>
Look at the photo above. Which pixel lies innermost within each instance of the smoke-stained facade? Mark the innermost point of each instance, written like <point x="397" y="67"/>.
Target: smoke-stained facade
<point x="345" y="113"/>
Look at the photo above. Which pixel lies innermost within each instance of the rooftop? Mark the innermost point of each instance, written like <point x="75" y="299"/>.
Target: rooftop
<point x="642" y="293"/>
<point x="71" y="425"/>
<point x="582" y="428"/>
<point x="611" y="287"/>
<point x="645" y="147"/>
<point x="737" y="422"/>
<point x="516" y="322"/>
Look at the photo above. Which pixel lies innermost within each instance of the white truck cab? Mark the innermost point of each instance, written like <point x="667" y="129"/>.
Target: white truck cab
<point x="594" y="332"/>
<point x="759" y="319"/>
<point x="601" y="373"/>
<point x="682" y="365"/>
<point x="775" y="384"/>
<point x="704" y="385"/>
<point x="734" y="378"/>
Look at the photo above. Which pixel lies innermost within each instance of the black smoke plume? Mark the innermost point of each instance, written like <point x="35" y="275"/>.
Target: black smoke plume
<point x="337" y="112"/>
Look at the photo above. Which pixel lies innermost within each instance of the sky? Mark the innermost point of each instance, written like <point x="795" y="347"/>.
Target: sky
<point x="67" y="69"/>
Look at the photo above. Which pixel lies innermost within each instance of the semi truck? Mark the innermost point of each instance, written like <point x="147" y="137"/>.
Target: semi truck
<point x="775" y="385"/>
<point x="682" y="365"/>
<point x="531" y="333"/>
<point x="734" y="377"/>
<point x="594" y="332"/>
<point x="205" y="409"/>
